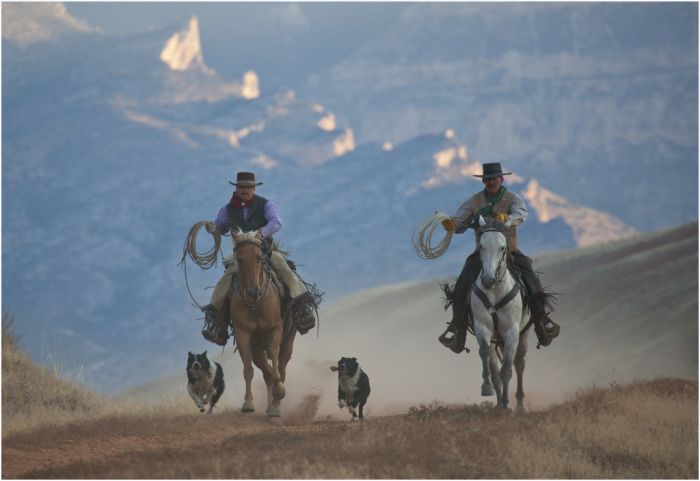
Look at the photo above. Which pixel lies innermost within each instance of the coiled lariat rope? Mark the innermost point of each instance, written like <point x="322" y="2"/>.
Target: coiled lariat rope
<point x="423" y="237"/>
<point x="205" y="260"/>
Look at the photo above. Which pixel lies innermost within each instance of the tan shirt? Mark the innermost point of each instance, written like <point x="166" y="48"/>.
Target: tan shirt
<point x="511" y="204"/>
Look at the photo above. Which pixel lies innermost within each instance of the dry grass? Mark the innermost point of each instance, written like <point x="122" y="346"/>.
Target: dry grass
<point x="36" y="396"/>
<point x="643" y="430"/>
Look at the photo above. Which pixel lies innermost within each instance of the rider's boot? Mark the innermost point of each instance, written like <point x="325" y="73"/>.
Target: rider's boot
<point x="539" y="301"/>
<point x="304" y="313"/>
<point x="456" y="343"/>
<point x="458" y="325"/>
<point x="214" y="330"/>
<point x="546" y="329"/>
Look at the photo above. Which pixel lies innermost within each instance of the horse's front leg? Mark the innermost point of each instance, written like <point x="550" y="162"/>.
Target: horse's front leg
<point x="495" y="374"/>
<point x="520" y="369"/>
<point x="278" y="391"/>
<point x="510" y="341"/>
<point x="244" y="348"/>
<point x="285" y="355"/>
<point x="483" y="337"/>
<point x="260" y="360"/>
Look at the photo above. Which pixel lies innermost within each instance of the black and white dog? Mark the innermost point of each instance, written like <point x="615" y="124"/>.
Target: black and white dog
<point x="205" y="380"/>
<point x="353" y="385"/>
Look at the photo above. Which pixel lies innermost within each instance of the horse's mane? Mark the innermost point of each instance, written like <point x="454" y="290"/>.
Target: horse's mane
<point x="493" y="224"/>
<point x="252" y="236"/>
<point x="246" y="236"/>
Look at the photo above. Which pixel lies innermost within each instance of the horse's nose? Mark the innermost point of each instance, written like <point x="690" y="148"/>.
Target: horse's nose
<point x="253" y="292"/>
<point x="488" y="281"/>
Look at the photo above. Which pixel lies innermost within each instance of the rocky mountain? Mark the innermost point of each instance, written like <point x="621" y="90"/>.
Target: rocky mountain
<point x="114" y="145"/>
<point x="596" y="100"/>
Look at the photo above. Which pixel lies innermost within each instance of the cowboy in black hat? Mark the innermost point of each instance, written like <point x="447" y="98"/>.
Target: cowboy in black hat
<point x="502" y="205"/>
<point x="251" y="212"/>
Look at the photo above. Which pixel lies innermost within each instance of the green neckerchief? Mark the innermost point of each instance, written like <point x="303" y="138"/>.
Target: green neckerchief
<point x="488" y="210"/>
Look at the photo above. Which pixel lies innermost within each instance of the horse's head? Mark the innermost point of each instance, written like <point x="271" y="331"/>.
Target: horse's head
<point x="248" y="247"/>
<point x="493" y="250"/>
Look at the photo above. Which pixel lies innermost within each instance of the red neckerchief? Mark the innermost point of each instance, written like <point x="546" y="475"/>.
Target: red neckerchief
<point x="237" y="203"/>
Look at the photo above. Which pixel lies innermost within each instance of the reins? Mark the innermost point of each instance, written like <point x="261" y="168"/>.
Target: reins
<point x="265" y="276"/>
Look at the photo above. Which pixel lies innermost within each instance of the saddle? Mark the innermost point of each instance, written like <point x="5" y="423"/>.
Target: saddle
<point x="290" y="309"/>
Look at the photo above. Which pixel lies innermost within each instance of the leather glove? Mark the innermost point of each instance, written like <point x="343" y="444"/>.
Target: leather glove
<point x="448" y="224"/>
<point x="210" y="227"/>
<point x="500" y="217"/>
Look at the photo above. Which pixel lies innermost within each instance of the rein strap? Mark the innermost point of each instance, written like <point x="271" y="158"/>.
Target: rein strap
<point x="492" y="309"/>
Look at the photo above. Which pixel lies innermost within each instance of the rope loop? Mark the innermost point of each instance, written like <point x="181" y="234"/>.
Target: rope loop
<point x="423" y="236"/>
<point x="205" y="260"/>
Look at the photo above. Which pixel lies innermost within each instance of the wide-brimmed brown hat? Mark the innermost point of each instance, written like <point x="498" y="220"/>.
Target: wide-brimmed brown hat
<point x="492" y="170"/>
<point x="245" y="179"/>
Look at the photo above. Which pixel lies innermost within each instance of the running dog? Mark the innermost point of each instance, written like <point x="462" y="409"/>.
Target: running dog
<point x="205" y="380"/>
<point x="353" y="385"/>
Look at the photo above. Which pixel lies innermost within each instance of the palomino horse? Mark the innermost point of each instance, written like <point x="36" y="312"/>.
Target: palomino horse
<point x="257" y="322"/>
<point x="500" y="316"/>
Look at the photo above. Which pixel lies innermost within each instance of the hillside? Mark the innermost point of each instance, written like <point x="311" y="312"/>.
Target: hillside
<point x="614" y="397"/>
<point x="32" y="395"/>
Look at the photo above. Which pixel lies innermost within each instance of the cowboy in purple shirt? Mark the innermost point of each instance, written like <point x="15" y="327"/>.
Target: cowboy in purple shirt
<point x="251" y="212"/>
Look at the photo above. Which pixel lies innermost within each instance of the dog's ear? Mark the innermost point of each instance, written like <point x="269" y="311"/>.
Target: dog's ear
<point x="354" y="359"/>
<point x="189" y="354"/>
<point x="204" y="354"/>
<point x="334" y="368"/>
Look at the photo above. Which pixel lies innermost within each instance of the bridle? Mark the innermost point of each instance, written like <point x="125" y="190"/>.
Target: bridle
<point x="265" y="276"/>
<point x="493" y="308"/>
<point x="502" y="267"/>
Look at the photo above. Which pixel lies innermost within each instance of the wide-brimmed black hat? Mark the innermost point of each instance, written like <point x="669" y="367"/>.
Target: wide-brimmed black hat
<point x="492" y="170"/>
<point x="246" y="179"/>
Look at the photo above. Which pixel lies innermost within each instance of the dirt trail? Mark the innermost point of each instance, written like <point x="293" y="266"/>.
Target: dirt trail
<point x="60" y="447"/>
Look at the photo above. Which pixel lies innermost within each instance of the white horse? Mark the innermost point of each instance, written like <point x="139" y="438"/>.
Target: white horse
<point x="500" y="316"/>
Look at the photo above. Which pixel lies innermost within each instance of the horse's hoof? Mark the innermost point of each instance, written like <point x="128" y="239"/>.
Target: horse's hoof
<point x="248" y="407"/>
<point x="487" y="390"/>
<point x="274" y="412"/>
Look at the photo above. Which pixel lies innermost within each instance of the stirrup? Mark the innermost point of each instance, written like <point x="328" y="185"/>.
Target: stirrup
<point x="546" y="330"/>
<point x="443" y="337"/>
<point x="212" y="330"/>
<point x="305" y="319"/>
<point x="454" y="343"/>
